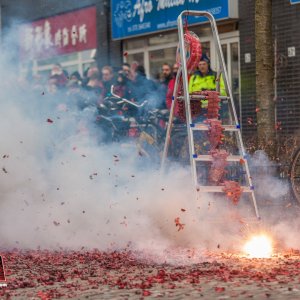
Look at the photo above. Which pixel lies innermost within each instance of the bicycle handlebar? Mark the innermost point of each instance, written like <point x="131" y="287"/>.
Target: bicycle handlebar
<point x="125" y="100"/>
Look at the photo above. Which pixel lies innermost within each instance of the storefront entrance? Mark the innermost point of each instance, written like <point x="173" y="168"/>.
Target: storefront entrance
<point x="152" y="52"/>
<point x="230" y="47"/>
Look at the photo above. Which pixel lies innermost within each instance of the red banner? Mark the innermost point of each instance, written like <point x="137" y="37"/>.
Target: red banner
<point x="61" y="34"/>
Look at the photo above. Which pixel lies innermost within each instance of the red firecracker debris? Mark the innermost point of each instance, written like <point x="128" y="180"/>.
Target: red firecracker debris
<point x="215" y="133"/>
<point x="76" y="274"/>
<point x="179" y="224"/>
<point x="219" y="289"/>
<point x="242" y="162"/>
<point x="213" y="106"/>
<point x="233" y="191"/>
<point x="278" y="126"/>
<point x="146" y="293"/>
<point x="219" y="163"/>
<point x="195" y="105"/>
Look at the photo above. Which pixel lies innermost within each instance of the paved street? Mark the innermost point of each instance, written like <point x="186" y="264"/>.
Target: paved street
<point x="121" y="275"/>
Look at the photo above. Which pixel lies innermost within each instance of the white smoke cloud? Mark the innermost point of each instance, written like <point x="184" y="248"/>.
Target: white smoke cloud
<point x="60" y="188"/>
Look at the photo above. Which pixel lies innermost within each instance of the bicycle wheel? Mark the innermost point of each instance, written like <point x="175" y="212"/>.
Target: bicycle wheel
<point x="295" y="175"/>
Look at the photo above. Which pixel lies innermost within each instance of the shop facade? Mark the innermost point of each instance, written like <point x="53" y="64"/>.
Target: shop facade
<point x="145" y="31"/>
<point x="149" y="34"/>
<point x="286" y="41"/>
<point x="75" y="34"/>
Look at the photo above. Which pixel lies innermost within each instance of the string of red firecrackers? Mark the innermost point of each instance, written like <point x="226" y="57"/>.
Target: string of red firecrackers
<point x="232" y="189"/>
<point x="218" y="165"/>
<point x="193" y="53"/>
<point x="215" y="133"/>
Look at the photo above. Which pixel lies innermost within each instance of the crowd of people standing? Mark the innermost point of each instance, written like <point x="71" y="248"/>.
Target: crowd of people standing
<point x="129" y="81"/>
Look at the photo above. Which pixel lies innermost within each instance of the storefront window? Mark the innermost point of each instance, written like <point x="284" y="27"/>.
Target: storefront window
<point x="134" y="44"/>
<point x="88" y="54"/>
<point x="224" y="50"/>
<point x="79" y="61"/>
<point x="58" y="59"/>
<point x="138" y="57"/>
<point x="156" y="50"/>
<point x="159" y="57"/>
<point x="206" y="48"/>
<point x="235" y="85"/>
<point x="163" y="39"/>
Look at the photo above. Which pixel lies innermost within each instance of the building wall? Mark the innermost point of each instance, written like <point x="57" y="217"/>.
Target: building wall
<point x="108" y="51"/>
<point x="286" y="20"/>
<point x="247" y="47"/>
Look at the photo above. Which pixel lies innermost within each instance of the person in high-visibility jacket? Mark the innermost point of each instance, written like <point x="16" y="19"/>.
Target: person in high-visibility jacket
<point x="204" y="79"/>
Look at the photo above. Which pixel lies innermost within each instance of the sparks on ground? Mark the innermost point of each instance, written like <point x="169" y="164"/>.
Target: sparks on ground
<point x="259" y="246"/>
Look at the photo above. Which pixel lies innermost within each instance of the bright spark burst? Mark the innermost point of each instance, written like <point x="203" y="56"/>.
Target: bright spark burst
<point x="259" y="246"/>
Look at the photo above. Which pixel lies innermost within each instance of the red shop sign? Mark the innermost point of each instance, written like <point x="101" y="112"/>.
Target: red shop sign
<point x="61" y="34"/>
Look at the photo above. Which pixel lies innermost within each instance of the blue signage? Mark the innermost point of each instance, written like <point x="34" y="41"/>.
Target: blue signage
<point x="137" y="17"/>
<point x="295" y="1"/>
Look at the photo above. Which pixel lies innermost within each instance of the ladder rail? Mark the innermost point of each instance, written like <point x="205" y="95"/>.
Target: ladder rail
<point x="186" y="94"/>
<point x="170" y="121"/>
<point x="216" y="39"/>
<point x="182" y="72"/>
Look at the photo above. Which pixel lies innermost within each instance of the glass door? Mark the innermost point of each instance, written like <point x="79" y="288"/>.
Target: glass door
<point x="230" y="48"/>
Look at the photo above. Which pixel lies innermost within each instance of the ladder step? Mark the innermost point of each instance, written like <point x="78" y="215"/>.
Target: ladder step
<point x="236" y="158"/>
<point x="204" y="127"/>
<point x="219" y="189"/>
<point x="201" y="97"/>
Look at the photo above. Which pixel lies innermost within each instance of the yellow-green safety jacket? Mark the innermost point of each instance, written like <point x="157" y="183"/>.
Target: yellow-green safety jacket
<point x="199" y="82"/>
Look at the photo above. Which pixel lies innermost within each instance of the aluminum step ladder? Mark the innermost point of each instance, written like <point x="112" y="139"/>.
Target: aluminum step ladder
<point x="233" y="128"/>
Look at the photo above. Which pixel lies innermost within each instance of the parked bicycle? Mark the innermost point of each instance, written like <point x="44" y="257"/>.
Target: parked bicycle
<point x="295" y="175"/>
<point x="123" y="120"/>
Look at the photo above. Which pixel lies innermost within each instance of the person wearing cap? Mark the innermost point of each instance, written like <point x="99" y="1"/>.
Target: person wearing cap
<point x="204" y="79"/>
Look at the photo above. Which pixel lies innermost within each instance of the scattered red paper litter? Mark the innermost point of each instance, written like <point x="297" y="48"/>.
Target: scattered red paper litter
<point x="179" y="224"/>
<point x="146" y="293"/>
<point x="77" y="274"/>
<point x="42" y="295"/>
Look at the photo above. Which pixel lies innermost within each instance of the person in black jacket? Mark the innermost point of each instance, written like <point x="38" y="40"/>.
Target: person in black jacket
<point x="143" y="88"/>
